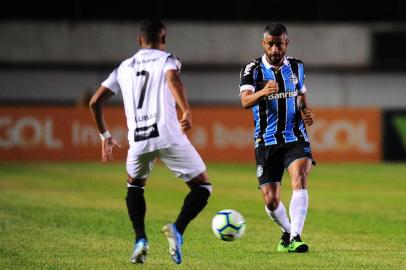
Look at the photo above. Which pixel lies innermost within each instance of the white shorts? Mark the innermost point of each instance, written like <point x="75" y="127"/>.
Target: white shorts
<point x="182" y="160"/>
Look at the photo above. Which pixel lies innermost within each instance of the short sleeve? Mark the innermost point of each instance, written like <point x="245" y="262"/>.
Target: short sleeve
<point x="172" y="63"/>
<point x="247" y="77"/>
<point x="301" y="80"/>
<point x="111" y="82"/>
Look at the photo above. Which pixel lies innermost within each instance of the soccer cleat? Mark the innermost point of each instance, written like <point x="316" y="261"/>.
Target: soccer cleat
<point x="140" y="251"/>
<point x="175" y="242"/>
<point x="297" y="245"/>
<point x="283" y="245"/>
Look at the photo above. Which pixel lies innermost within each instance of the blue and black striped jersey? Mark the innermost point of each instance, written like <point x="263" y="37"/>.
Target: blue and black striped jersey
<point x="277" y="118"/>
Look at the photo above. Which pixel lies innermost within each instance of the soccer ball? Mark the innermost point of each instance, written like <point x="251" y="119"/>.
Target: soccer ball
<point x="228" y="225"/>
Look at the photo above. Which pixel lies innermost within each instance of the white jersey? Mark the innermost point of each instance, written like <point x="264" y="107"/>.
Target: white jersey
<point x="150" y="107"/>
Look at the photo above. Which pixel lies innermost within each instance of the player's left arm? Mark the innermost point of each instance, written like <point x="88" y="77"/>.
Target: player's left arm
<point x="307" y="113"/>
<point x="101" y="95"/>
<point x="176" y="86"/>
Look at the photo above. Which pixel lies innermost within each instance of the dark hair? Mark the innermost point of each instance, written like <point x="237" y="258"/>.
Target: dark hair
<point x="275" y="29"/>
<point x="150" y="30"/>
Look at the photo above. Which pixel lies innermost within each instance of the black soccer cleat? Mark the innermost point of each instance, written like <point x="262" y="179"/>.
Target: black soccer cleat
<point x="283" y="245"/>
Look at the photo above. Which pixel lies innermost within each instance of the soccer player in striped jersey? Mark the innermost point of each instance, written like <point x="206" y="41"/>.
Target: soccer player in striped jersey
<point x="273" y="87"/>
<point x="151" y="88"/>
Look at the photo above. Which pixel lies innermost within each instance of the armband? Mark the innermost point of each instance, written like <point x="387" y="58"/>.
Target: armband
<point x="105" y="135"/>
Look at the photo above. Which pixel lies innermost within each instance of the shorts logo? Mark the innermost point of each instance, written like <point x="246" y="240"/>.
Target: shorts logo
<point x="260" y="170"/>
<point x="307" y="150"/>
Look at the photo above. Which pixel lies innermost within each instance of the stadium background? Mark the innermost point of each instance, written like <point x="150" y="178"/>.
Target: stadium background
<point x="68" y="211"/>
<point x="54" y="56"/>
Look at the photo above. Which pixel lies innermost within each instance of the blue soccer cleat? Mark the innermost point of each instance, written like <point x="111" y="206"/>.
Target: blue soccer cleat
<point x="140" y="251"/>
<point x="175" y="240"/>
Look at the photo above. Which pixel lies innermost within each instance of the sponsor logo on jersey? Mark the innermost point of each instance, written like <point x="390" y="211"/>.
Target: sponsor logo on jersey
<point x="248" y="68"/>
<point x="289" y="94"/>
<point x="147" y="132"/>
<point x="145" y="61"/>
<point x="145" y="117"/>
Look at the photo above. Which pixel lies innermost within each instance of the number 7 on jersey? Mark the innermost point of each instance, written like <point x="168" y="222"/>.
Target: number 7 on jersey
<point x="144" y="87"/>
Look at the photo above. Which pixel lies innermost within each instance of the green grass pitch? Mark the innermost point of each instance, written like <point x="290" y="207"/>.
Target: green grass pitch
<point x="73" y="216"/>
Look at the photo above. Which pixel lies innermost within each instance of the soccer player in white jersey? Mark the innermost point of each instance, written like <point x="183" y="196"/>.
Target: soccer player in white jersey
<point x="151" y="88"/>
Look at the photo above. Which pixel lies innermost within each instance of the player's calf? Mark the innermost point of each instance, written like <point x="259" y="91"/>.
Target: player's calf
<point x="194" y="203"/>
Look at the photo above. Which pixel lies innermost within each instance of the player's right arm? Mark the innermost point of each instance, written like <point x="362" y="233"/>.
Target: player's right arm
<point x="250" y="98"/>
<point x="101" y="95"/>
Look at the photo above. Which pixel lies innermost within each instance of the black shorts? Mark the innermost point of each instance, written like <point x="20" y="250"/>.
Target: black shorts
<point x="272" y="160"/>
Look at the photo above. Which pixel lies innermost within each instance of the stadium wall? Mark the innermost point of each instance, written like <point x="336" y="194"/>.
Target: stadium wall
<point x="336" y="89"/>
<point x="220" y="134"/>
<point x="200" y="43"/>
<point x="55" y="62"/>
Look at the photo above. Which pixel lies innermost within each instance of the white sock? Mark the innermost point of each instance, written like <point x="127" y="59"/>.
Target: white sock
<point x="280" y="217"/>
<point x="298" y="211"/>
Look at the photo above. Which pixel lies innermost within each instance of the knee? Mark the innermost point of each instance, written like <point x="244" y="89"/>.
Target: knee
<point x="206" y="186"/>
<point x="271" y="202"/>
<point x="299" y="179"/>
<point x="200" y="180"/>
<point x="301" y="173"/>
<point x="136" y="182"/>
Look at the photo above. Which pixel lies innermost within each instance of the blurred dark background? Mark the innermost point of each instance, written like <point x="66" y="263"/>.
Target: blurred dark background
<point x="351" y="49"/>
<point x="293" y="11"/>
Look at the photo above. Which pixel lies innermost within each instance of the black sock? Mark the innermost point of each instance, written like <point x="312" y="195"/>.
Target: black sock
<point x="136" y="210"/>
<point x="194" y="203"/>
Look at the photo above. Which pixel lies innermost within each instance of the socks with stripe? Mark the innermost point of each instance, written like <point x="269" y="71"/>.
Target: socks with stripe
<point x="298" y="211"/>
<point x="280" y="217"/>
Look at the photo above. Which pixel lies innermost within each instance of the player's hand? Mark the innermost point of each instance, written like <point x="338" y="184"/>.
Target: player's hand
<point x="186" y="121"/>
<point x="271" y="87"/>
<point x="308" y="116"/>
<point x="107" y="149"/>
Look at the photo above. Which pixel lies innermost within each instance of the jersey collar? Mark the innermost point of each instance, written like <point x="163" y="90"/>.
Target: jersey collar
<point x="140" y="51"/>
<point x="268" y="65"/>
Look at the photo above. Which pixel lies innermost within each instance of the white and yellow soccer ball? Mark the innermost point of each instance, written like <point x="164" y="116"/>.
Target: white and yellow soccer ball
<point x="228" y="225"/>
